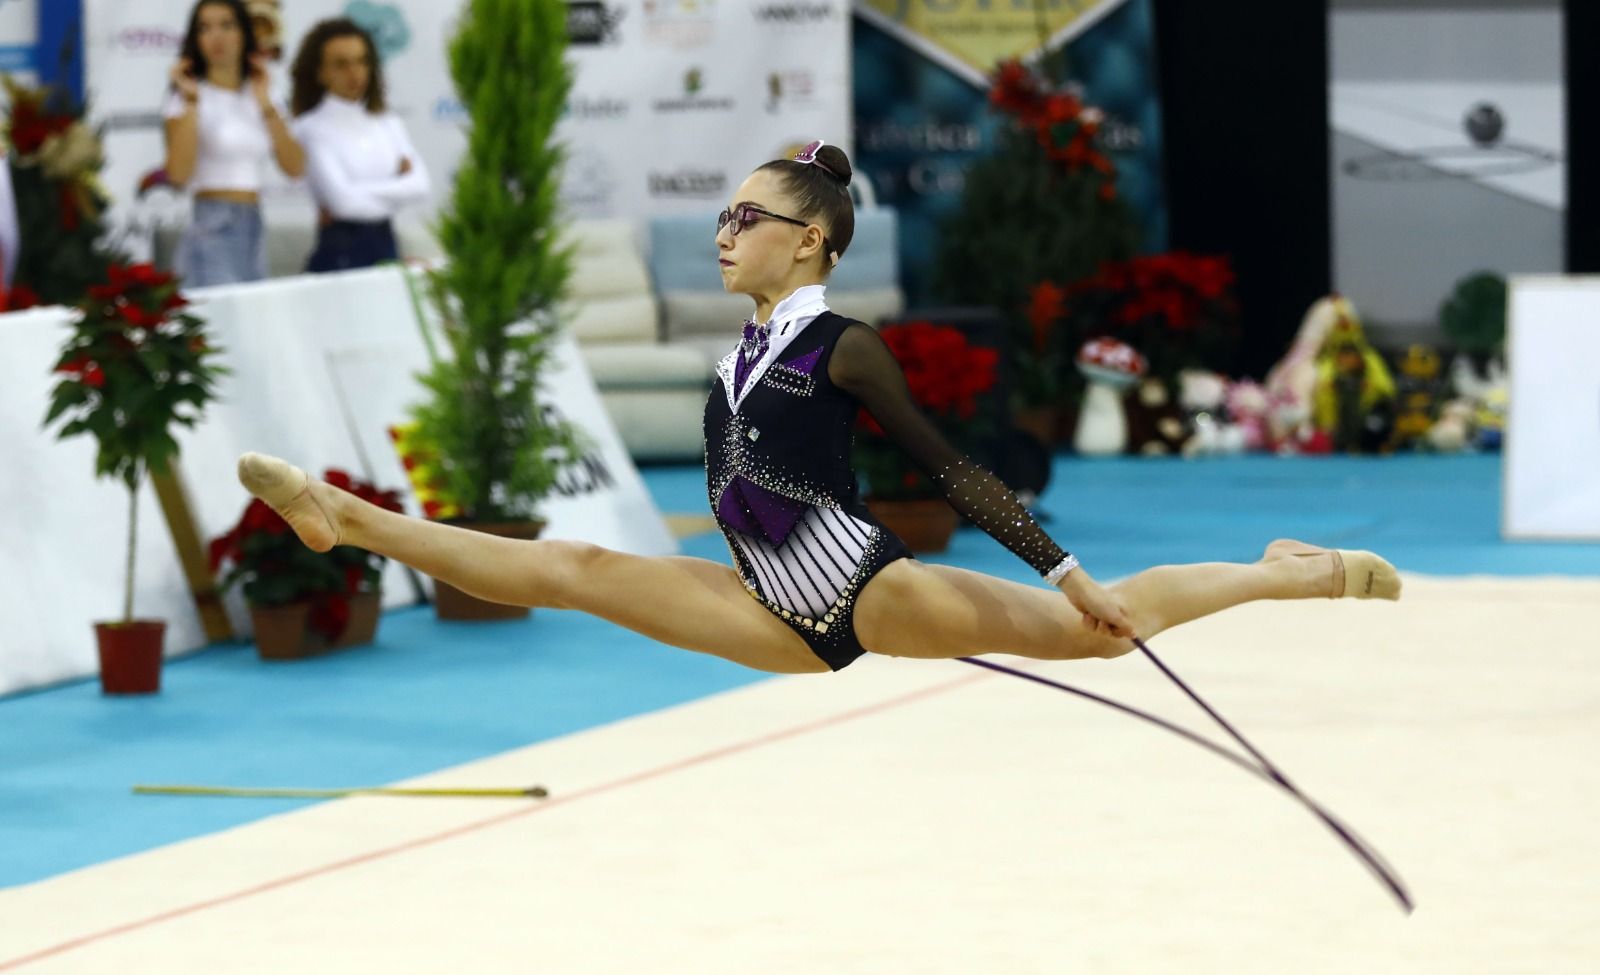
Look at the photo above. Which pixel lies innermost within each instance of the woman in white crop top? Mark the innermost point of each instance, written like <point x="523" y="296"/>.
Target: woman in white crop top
<point x="361" y="164"/>
<point x="221" y="127"/>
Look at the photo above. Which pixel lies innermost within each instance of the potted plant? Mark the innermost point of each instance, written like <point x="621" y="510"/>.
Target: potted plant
<point x="946" y="376"/>
<point x="303" y="602"/>
<point x="1177" y="309"/>
<point x="499" y="450"/>
<point x="1043" y="208"/>
<point x="135" y="365"/>
<point x="55" y="159"/>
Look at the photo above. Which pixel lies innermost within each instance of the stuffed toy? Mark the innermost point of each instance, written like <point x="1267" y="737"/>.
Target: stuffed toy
<point x="1156" y="425"/>
<point x="1293" y="381"/>
<point x="1203" y="396"/>
<point x="1110" y="367"/>
<point x="1354" y="398"/>
<point x="1248" y="407"/>
<point x="1453" y="431"/>
<point x="1417" y="395"/>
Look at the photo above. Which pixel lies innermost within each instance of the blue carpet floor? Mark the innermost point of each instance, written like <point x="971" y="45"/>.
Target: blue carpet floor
<point x="429" y="695"/>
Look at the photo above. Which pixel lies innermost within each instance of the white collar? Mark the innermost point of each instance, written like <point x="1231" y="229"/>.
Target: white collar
<point x="800" y="303"/>
<point x="788" y="320"/>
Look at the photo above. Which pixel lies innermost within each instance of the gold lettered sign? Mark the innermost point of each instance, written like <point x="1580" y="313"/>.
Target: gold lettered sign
<point x="970" y="36"/>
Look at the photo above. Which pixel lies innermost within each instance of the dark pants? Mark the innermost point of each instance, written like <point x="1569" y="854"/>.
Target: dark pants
<point x="346" y="244"/>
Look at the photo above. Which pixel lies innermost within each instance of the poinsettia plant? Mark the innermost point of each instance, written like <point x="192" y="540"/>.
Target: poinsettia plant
<point x="1058" y="120"/>
<point x="135" y="366"/>
<point x="55" y="159"/>
<point x="1178" y="309"/>
<point x="276" y="569"/>
<point x="946" y="375"/>
<point x="1043" y="206"/>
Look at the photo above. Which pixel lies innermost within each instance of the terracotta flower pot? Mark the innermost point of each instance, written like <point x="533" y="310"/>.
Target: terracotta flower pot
<point x="1041" y="421"/>
<point x="285" y="632"/>
<point x="450" y="603"/>
<point x="362" y="629"/>
<point x="130" y="656"/>
<point x="925" y="525"/>
<point x="282" y="633"/>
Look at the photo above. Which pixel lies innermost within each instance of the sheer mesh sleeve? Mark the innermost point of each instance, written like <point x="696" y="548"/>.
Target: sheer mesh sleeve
<point x="863" y="366"/>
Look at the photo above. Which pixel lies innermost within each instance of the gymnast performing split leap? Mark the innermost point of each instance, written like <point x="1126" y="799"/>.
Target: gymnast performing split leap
<point x="816" y="580"/>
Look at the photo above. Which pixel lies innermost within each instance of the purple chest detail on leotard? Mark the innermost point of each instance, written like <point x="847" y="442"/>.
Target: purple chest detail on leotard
<point x="752" y="509"/>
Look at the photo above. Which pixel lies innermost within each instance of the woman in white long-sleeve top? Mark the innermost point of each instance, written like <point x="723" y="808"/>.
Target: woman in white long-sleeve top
<point x="361" y="164"/>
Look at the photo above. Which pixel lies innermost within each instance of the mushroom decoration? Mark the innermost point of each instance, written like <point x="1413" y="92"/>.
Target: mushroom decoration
<point x="1110" y="367"/>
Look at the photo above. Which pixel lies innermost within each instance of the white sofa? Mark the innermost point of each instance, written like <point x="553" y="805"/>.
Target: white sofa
<point x="654" y="391"/>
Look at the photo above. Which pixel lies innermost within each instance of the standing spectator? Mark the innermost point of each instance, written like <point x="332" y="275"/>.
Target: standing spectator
<point x="362" y="165"/>
<point x="221" y="126"/>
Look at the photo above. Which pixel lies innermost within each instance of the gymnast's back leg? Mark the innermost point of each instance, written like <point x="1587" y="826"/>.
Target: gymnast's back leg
<point x="691" y="603"/>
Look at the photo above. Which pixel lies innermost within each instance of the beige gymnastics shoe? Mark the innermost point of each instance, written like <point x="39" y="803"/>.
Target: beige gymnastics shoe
<point x="292" y="493"/>
<point x="1355" y="573"/>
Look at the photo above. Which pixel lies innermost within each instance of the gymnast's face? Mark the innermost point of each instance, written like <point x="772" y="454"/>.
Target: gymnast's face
<point x="763" y="245"/>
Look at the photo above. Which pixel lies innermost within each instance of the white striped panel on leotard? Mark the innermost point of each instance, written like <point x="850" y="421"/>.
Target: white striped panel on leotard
<point x="809" y="571"/>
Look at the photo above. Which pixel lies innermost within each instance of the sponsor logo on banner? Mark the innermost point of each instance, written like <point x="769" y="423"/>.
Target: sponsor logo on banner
<point x="688" y="183"/>
<point x="449" y="108"/>
<point x="970" y="36"/>
<point x="680" y="23"/>
<point x="692" y="100"/>
<point x="588" y="184"/>
<point x="596" y="109"/>
<point x="790" y="89"/>
<point x="385" y="22"/>
<point x="795" y="14"/>
<point x="162" y="41"/>
<point x="131" y="121"/>
<point x="590" y="23"/>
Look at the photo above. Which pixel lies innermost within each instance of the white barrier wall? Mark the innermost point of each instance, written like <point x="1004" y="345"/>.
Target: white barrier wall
<point x="322" y="365"/>
<point x="1552" y="452"/>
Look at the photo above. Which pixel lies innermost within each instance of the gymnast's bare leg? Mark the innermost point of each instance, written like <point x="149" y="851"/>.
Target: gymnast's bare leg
<point x="910" y="609"/>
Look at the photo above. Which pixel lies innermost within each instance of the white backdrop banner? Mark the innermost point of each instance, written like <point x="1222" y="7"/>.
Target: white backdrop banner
<point x="1552" y="450"/>
<point x="322" y="366"/>
<point x="673" y="101"/>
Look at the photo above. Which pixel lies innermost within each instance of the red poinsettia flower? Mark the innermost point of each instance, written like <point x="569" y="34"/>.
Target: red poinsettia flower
<point x="18" y="298"/>
<point x="138" y="317"/>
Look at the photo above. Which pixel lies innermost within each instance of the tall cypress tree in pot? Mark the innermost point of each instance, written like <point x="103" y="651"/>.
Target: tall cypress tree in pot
<point x="499" y="451"/>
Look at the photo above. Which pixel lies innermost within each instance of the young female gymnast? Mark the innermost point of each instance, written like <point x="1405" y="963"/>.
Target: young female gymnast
<point x="816" y="580"/>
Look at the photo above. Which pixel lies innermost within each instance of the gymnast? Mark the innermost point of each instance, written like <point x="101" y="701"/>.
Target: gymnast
<point x="816" y="580"/>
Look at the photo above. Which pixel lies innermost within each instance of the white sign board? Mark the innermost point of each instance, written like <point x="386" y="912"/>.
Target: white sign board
<point x="1552" y="454"/>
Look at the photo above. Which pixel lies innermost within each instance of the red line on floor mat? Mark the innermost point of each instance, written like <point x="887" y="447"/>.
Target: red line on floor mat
<point x="422" y="841"/>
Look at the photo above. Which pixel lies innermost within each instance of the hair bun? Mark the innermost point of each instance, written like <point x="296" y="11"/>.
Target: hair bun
<point x="835" y="163"/>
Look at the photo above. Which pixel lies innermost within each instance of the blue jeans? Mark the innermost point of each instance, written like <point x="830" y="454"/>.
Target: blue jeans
<point x="222" y="245"/>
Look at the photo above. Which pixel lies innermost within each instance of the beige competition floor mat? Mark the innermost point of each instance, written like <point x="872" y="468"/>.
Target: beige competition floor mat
<point x="930" y="817"/>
